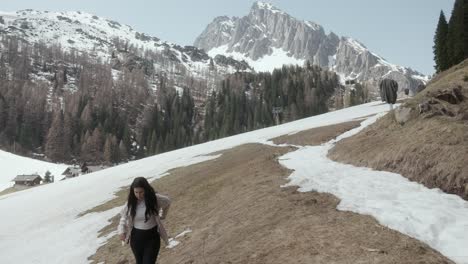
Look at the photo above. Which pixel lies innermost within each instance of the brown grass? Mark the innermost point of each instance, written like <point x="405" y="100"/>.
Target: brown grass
<point x="7" y="191"/>
<point x="316" y="136"/>
<point x="432" y="150"/>
<point x="239" y="214"/>
<point x="450" y="75"/>
<point x="448" y="79"/>
<point x="15" y="189"/>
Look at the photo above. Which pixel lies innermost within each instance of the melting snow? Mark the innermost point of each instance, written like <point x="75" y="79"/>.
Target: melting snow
<point x="46" y="216"/>
<point x="266" y="63"/>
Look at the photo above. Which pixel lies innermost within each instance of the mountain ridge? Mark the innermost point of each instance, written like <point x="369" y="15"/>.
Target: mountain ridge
<point x="266" y="29"/>
<point x="76" y="31"/>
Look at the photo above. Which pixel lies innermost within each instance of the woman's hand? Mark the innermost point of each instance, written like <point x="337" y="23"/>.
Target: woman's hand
<point x="122" y="237"/>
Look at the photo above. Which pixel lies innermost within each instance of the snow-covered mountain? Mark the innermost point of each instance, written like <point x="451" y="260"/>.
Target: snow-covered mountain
<point x="268" y="37"/>
<point x="106" y="39"/>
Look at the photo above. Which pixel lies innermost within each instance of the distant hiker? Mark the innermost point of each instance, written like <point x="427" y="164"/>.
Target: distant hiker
<point x="388" y="91"/>
<point x="140" y="221"/>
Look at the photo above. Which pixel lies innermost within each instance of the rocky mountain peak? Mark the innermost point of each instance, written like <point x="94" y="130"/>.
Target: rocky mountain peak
<point x="260" y="6"/>
<point x="268" y="37"/>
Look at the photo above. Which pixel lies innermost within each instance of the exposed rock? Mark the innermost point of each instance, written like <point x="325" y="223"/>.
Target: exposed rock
<point x="452" y="96"/>
<point x="402" y="114"/>
<point x="131" y="62"/>
<point x="223" y="60"/>
<point x="142" y="36"/>
<point x="114" y="24"/>
<point x="446" y="102"/>
<point x="64" y="19"/>
<point x="220" y="29"/>
<point x="266" y="27"/>
<point x="326" y="51"/>
<point x="195" y="53"/>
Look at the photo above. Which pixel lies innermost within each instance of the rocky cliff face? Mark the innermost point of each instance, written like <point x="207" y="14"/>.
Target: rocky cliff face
<point x="266" y="29"/>
<point x="218" y="32"/>
<point x="263" y="28"/>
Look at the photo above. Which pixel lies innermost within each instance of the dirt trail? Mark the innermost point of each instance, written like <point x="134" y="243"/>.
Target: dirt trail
<point x="239" y="214"/>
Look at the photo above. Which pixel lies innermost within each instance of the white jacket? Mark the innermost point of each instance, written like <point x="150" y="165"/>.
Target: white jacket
<point x="126" y="221"/>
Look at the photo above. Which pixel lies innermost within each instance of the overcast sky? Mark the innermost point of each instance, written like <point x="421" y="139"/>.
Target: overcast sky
<point x="401" y="31"/>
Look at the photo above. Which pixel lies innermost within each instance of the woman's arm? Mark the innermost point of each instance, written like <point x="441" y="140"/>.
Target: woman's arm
<point x="121" y="229"/>
<point x="164" y="203"/>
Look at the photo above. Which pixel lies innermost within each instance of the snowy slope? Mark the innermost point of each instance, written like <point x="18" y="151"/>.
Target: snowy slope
<point x="267" y="63"/>
<point x="97" y="36"/>
<point x="12" y="165"/>
<point x="72" y="31"/>
<point x="55" y="207"/>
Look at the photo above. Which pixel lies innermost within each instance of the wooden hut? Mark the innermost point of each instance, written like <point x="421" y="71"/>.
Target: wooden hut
<point x="71" y="172"/>
<point x="28" y="180"/>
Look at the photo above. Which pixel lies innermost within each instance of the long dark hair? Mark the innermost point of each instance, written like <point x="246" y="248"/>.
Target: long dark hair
<point x="150" y="198"/>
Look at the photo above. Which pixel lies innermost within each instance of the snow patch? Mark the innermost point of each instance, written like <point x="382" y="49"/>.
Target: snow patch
<point x="267" y="63"/>
<point x="13" y="165"/>
<point x="429" y="215"/>
<point x="312" y="25"/>
<point x="179" y="90"/>
<point x="228" y="23"/>
<point x="356" y="45"/>
<point x="173" y="242"/>
<point x="269" y="7"/>
<point x="424" y="78"/>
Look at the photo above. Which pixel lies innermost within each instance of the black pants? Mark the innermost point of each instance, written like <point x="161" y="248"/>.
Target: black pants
<point x="145" y="245"/>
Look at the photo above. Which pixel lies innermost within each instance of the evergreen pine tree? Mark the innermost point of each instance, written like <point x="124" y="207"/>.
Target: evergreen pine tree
<point x="85" y="146"/>
<point x="96" y="145"/>
<point x="115" y="149"/>
<point x="465" y="28"/>
<point x="55" y="149"/>
<point x="47" y="177"/>
<point x="108" y="150"/>
<point x="123" y="154"/>
<point x="3" y="113"/>
<point x="209" y="116"/>
<point x="456" y="32"/>
<point x="440" y="44"/>
<point x="67" y="133"/>
<point x="152" y="144"/>
<point x="11" y="126"/>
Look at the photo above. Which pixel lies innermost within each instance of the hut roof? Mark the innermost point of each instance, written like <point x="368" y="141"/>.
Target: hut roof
<point x="72" y="170"/>
<point x="31" y="177"/>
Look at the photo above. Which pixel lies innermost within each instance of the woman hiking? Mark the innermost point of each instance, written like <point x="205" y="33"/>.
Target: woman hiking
<point x="140" y="221"/>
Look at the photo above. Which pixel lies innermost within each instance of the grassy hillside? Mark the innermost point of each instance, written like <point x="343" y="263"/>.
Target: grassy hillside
<point x="430" y="146"/>
<point x="239" y="214"/>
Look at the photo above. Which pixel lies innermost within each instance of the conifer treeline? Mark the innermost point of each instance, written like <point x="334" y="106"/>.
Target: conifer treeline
<point x="245" y="101"/>
<point x="451" y="38"/>
<point x="112" y="117"/>
<point x="104" y="119"/>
